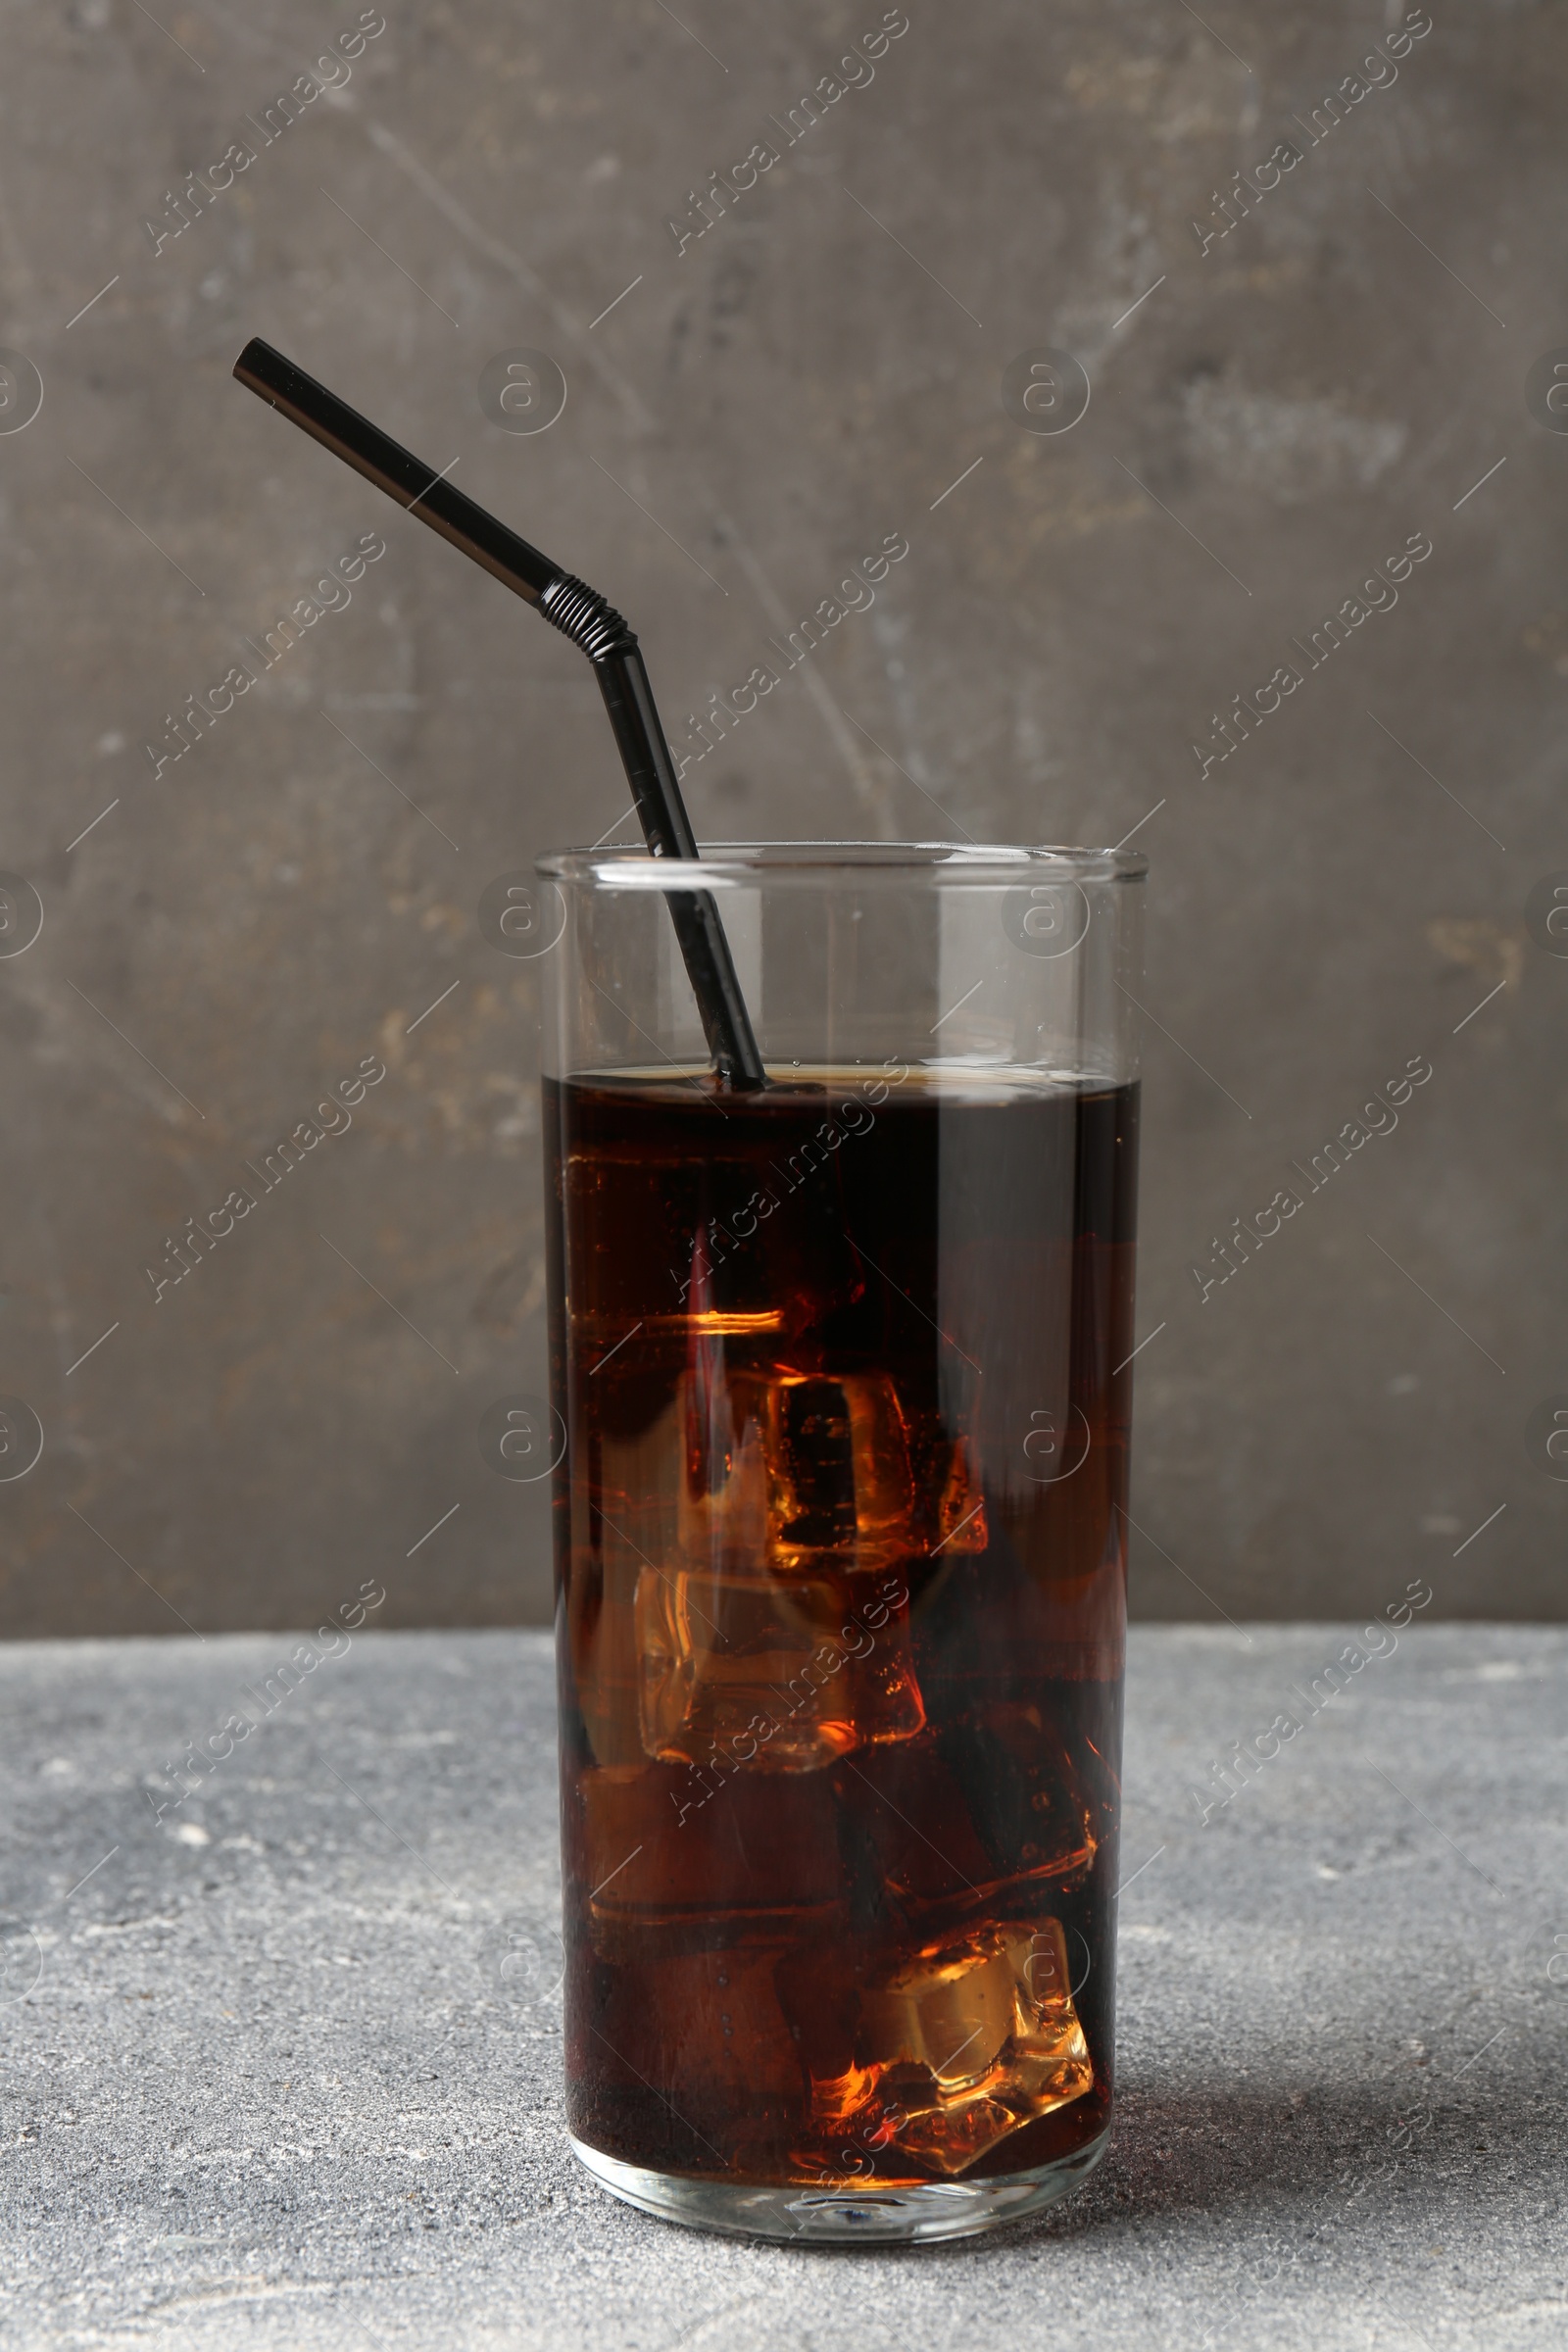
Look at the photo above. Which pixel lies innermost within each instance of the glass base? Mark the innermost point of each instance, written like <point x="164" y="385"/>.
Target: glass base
<point x="801" y="2215"/>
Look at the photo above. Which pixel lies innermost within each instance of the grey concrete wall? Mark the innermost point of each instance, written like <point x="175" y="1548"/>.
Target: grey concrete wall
<point x="1288" y="405"/>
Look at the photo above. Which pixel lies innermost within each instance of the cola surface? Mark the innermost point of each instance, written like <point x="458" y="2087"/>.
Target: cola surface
<point x="840" y="1544"/>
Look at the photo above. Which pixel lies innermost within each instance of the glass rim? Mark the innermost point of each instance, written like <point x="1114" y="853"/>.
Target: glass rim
<point x="732" y="864"/>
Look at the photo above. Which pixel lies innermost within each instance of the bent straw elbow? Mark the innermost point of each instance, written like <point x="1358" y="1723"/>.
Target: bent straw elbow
<point x="592" y="624"/>
<point x="588" y="619"/>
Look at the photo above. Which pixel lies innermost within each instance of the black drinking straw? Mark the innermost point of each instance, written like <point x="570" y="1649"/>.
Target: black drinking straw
<point x="583" y="615"/>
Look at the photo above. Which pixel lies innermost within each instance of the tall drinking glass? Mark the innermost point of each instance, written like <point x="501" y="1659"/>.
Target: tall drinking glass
<point x="841" y="1379"/>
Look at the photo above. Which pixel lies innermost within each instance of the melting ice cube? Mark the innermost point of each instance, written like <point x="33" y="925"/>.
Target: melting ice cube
<point x="788" y="1471"/>
<point x="744" y="1673"/>
<point x="955" y="2046"/>
<point x="972" y="1815"/>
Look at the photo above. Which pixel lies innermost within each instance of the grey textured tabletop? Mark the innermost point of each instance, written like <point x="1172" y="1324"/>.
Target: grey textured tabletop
<point x="284" y="2068"/>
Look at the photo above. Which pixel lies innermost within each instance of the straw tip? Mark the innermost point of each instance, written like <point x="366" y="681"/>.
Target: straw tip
<point x="258" y="363"/>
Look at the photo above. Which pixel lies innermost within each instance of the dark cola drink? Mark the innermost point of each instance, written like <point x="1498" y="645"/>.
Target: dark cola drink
<point x="840" y="1542"/>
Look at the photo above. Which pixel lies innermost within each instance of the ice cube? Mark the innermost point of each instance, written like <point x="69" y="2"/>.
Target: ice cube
<point x="839" y="1485"/>
<point x="787" y="1472"/>
<point x="953" y="2046"/>
<point x="979" y="1811"/>
<point x="1032" y="1794"/>
<point x="740" y="1673"/>
<point x="960" y="1515"/>
<point x="622" y="1514"/>
<point x="722" y="1495"/>
<point x="662" y="1854"/>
